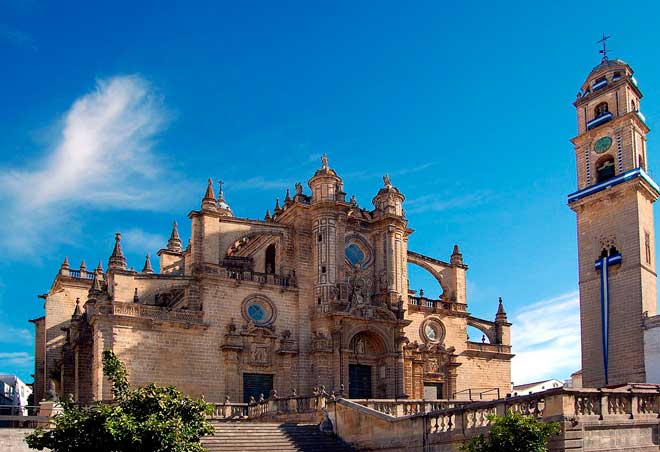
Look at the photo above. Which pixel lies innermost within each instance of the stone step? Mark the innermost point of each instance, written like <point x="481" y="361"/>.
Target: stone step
<point x="270" y="437"/>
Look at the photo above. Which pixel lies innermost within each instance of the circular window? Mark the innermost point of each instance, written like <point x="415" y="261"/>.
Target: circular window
<point x="258" y="310"/>
<point x="357" y="251"/>
<point x="432" y="330"/>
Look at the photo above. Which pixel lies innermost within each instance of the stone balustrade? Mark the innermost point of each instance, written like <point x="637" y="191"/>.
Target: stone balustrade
<point x="286" y="281"/>
<point x="589" y="419"/>
<point x="406" y="407"/>
<point x="273" y="406"/>
<point x="433" y="305"/>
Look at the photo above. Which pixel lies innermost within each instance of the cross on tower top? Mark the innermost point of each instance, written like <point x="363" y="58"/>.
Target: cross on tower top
<point x="603" y="51"/>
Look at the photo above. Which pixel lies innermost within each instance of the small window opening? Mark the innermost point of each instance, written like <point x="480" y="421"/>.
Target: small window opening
<point x="318" y="301"/>
<point x="601" y="109"/>
<point x="605" y="169"/>
<point x="270" y="259"/>
<point x="320" y="238"/>
<point x="647" y="246"/>
<point x="323" y="269"/>
<point x="633" y="106"/>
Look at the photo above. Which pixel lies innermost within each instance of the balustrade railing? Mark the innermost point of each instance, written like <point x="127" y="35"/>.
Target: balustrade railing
<point x="252" y="276"/>
<point x="273" y="405"/>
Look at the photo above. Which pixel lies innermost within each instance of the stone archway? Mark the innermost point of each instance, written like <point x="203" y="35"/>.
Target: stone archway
<point x="368" y="362"/>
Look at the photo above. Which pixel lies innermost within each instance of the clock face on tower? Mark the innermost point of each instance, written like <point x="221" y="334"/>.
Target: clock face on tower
<point x="602" y="145"/>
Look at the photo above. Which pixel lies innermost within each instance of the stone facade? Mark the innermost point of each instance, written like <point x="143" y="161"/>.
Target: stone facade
<point x="615" y="228"/>
<point x="315" y="294"/>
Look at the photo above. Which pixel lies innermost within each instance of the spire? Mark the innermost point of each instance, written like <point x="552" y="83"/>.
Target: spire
<point x="287" y="197"/>
<point x="65" y="264"/>
<point x="174" y="243"/>
<point x="267" y="217"/>
<point x="147" y="265"/>
<point x="77" y="312"/>
<point x="208" y="202"/>
<point x="99" y="268"/>
<point x="225" y="210"/>
<point x="278" y="209"/>
<point x="501" y="314"/>
<point x="221" y="196"/>
<point x="83" y="266"/>
<point x="456" y="256"/>
<point x="117" y="260"/>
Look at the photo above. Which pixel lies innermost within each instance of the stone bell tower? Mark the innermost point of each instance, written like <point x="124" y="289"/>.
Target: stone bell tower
<point x="614" y="207"/>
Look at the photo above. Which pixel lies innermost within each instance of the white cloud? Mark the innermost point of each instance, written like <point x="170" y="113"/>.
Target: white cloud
<point x="17" y="359"/>
<point x="102" y="158"/>
<point x="439" y="202"/>
<point x="546" y="339"/>
<point x="142" y="241"/>
<point x="12" y="335"/>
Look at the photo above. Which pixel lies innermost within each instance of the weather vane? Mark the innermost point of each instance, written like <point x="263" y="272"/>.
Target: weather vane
<point x="603" y="51"/>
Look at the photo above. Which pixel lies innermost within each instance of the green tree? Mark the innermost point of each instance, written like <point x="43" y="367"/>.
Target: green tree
<point x="149" y="419"/>
<point x="513" y="433"/>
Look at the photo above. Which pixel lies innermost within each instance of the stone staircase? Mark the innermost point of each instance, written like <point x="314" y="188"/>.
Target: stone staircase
<point x="271" y="437"/>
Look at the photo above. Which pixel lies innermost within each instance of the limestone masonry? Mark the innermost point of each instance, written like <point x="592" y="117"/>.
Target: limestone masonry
<point x="315" y="294"/>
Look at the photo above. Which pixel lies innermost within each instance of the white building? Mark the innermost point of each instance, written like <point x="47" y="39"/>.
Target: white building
<point x="538" y="386"/>
<point x="14" y="392"/>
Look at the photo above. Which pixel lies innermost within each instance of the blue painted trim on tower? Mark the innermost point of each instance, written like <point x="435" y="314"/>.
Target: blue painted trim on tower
<point x="628" y="175"/>
<point x="603" y="264"/>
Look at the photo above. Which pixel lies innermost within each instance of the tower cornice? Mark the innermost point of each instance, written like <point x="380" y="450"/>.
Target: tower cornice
<point x="614" y="123"/>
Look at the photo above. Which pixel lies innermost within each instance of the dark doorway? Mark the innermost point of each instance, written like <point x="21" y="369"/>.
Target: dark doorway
<point x="359" y="381"/>
<point x="270" y="259"/>
<point x="432" y="391"/>
<point x="254" y="385"/>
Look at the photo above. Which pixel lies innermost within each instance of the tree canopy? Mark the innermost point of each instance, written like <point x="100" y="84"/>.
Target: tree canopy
<point x="152" y="418"/>
<point x="514" y="433"/>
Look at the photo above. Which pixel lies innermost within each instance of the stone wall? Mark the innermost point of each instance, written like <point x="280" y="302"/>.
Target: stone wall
<point x="13" y="439"/>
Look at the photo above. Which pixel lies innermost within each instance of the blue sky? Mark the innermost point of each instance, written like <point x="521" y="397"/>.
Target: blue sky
<point x="112" y="118"/>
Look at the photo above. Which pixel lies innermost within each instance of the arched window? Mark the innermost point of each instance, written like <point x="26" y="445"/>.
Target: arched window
<point x="601" y="109"/>
<point x="633" y="106"/>
<point x="605" y="168"/>
<point x="270" y="259"/>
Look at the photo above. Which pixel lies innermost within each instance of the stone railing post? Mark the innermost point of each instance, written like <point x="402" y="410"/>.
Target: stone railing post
<point x="634" y="407"/>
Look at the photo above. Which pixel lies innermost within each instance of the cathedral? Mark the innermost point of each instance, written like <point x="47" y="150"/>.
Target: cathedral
<point x="314" y="294"/>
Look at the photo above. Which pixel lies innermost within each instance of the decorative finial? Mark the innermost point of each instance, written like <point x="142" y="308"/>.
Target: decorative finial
<point x="324" y="161"/>
<point x="147" y="266"/>
<point x="220" y="193"/>
<point x="65" y="264"/>
<point x="299" y="189"/>
<point x="277" y="206"/>
<point x="267" y="217"/>
<point x="501" y="314"/>
<point x="77" y="312"/>
<point x="99" y="268"/>
<point x="603" y="51"/>
<point x="287" y="197"/>
<point x="117" y="259"/>
<point x="136" y="298"/>
<point x="83" y="266"/>
<point x="209" y="202"/>
<point x="456" y="256"/>
<point x="174" y="243"/>
<point x="387" y="181"/>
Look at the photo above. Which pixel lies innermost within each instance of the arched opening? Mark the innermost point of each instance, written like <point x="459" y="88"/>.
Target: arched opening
<point x="367" y="366"/>
<point x="640" y="162"/>
<point x="269" y="266"/>
<point x="423" y="282"/>
<point x="474" y="334"/>
<point x="633" y="106"/>
<point x="605" y="168"/>
<point x="601" y="109"/>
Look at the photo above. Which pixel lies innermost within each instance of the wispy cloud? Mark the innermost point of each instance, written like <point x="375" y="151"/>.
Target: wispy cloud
<point x="440" y="202"/>
<point x="16" y="37"/>
<point x="140" y="240"/>
<point x="397" y="172"/>
<point x="102" y="158"/>
<point x="546" y="339"/>
<point x="259" y="183"/>
<point x="16" y="359"/>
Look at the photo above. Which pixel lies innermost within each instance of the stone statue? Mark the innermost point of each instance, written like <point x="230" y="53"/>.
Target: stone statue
<point x="387" y="180"/>
<point x="299" y="188"/>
